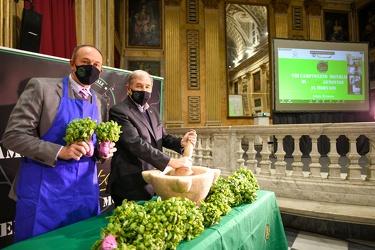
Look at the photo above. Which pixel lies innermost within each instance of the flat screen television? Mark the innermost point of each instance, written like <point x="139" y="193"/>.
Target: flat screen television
<point x="318" y="76"/>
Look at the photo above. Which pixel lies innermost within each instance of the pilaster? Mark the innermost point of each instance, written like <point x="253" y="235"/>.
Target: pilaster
<point x="281" y="17"/>
<point x="95" y="26"/>
<point x="313" y="11"/>
<point x="172" y="88"/>
<point x="213" y="104"/>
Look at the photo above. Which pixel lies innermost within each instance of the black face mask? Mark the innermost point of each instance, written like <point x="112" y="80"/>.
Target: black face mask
<point x="87" y="74"/>
<point x="140" y="97"/>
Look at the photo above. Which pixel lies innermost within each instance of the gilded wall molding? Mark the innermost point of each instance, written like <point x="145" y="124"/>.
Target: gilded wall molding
<point x="194" y="109"/>
<point x="172" y="2"/>
<point x="211" y="4"/>
<point x="314" y="7"/>
<point x="281" y="6"/>
<point x="193" y="59"/>
<point x="192" y="12"/>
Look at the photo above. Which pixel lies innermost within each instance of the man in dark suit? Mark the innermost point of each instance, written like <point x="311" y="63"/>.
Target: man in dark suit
<point x="56" y="184"/>
<point x="141" y="141"/>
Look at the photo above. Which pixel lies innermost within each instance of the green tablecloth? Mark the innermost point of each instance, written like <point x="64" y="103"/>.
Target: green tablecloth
<point x="254" y="226"/>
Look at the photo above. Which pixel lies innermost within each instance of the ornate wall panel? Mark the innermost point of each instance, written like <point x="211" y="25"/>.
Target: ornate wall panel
<point x="193" y="59"/>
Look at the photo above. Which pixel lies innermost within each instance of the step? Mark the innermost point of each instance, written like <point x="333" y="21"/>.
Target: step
<point x="328" y="211"/>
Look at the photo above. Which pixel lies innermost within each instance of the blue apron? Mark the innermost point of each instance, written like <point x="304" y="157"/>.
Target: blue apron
<point x="53" y="197"/>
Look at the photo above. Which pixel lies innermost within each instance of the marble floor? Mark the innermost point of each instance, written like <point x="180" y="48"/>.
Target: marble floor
<point x="300" y="240"/>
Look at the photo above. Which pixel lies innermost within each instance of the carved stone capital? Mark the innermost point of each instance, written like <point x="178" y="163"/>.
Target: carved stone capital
<point x="211" y="4"/>
<point x="172" y="2"/>
<point x="314" y="7"/>
<point x="263" y="67"/>
<point x="239" y="80"/>
<point x="280" y="6"/>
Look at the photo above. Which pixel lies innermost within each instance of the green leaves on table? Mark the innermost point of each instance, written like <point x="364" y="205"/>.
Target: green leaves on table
<point x="154" y="225"/>
<point x="160" y="225"/>
<point x="238" y="188"/>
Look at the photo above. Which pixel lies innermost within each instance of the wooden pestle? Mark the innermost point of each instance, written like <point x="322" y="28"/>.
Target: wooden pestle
<point x="188" y="152"/>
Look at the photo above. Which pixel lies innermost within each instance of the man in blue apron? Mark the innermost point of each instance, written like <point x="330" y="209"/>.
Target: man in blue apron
<point x="56" y="185"/>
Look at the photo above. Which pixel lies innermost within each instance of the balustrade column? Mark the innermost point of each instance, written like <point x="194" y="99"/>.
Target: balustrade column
<point x="239" y="153"/>
<point x="280" y="164"/>
<point x="198" y="152"/>
<point x="354" y="169"/>
<point x="251" y="153"/>
<point x="265" y="163"/>
<point x="315" y="166"/>
<point x="334" y="169"/>
<point x="371" y="158"/>
<point x="207" y="158"/>
<point x="297" y="164"/>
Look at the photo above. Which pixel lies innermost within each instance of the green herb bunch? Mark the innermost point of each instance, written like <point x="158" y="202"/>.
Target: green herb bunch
<point x="155" y="225"/>
<point x="108" y="131"/>
<point x="238" y="188"/>
<point x="81" y="129"/>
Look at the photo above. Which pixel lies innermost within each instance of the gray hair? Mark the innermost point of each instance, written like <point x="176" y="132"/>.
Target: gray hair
<point x="138" y="74"/>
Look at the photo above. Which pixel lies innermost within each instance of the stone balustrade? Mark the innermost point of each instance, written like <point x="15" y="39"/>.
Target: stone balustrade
<point x="315" y="181"/>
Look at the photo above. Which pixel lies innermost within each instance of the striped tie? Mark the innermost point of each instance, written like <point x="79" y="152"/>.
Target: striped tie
<point x="84" y="93"/>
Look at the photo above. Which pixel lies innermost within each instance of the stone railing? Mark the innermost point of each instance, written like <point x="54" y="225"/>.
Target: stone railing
<point x="329" y="178"/>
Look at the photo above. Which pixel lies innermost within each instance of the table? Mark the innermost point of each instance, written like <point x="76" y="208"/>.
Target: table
<point x="254" y="226"/>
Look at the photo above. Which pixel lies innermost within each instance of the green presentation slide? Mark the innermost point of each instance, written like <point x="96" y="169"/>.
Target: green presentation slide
<point x="304" y="80"/>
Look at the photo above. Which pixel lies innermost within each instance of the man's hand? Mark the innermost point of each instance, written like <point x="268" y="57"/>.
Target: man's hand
<point x="189" y="136"/>
<point x="74" y="151"/>
<point x="183" y="162"/>
<point x="111" y="151"/>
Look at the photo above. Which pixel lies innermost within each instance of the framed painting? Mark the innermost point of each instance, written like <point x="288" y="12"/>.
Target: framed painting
<point x="143" y="24"/>
<point x="336" y="25"/>
<point x="152" y="67"/>
<point x="256" y="82"/>
<point x="257" y="105"/>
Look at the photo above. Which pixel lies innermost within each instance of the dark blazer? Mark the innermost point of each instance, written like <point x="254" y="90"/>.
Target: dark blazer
<point x="34" y="114"/>
<point x="138" y="149"/>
